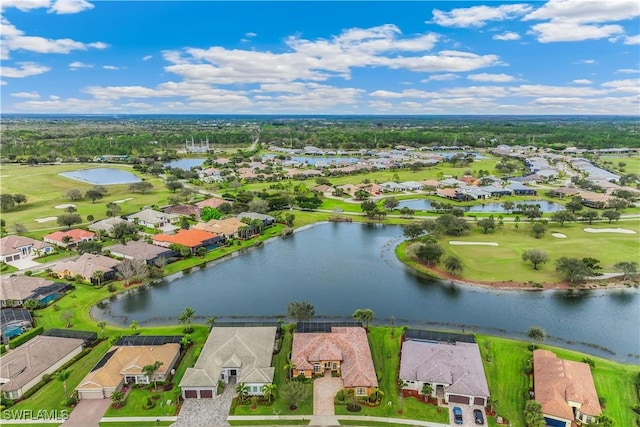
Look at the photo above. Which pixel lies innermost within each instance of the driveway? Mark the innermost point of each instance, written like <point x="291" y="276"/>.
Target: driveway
<point x="324" y="390"/>
<point x="206" y="412"/>
<point x="24" y="263"/>
<point x="467" y="415"/>
<point x="88" y="413"/>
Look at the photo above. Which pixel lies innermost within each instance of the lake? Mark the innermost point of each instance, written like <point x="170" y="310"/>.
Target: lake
<point x="341" y="267"/>
<point x="496" y="207"/>
<point x="102" y="176"/>
<point x="185" y="164"/>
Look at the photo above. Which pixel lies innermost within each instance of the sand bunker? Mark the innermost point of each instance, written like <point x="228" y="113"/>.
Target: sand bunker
<point x="65" y="205"/>
<point x="459" y="243"/>
<point x="123" y="200"/>
<point x="47" y="219"/>
<point x="609" y="230"/>
<point x="559" y="235"/>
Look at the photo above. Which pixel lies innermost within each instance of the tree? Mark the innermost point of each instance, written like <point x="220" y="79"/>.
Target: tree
<point x="611" y="215"/>
<point x="102" y="324"/>
<point x="269" y="390"/>
<point x="361" y="194"/>
<point x="538" y="229"/>
<point x="451" y="225"/>
<point x="617" y="203"/>
<point x="124" y="230"/>
<point x="243" y="392"/>
<point x="66" y="240"/>
<point x="113" y="209"/>
<point x="19" y="199"/>
<point x="413" y="230"/>
<point x="426" y="391"/>
<point x="67" y="316"/>
<point x="142" y="186"/>
<point x="94" y="195"/>
<point x="487" y="224"/>
<point x="6" y="202"/>
<point x="133" y="270"/>
<point x="289" y="366"/>
<point x="211" y="321"/>
<point x="589" y="216"/>
<point x="453" y="265"/>
<point x="182" y="250"/>
<point x="90" y="218"/>
<point x="97" y="277"/>
<point x="174" y="185"/>
<point x="536" y="334"/>
<point x="533" y="414"/>
<point x="628" y="268"/>
<point x="68" y="219"/>
<point x="150" y="371"/>
<point x="562" y="216"/>
<point x="575" y="204"/>
<point x="185" y="224"/>
<point x="186" y="317"/>
<point x="259" y="206"/>
<point x="364" y="315"/>
<point x="71" y="209"/>
<point x="89" y="246"/>
<point x="134" y="326"/>
<point x="294" y="393"/>
<point x="573" y="269"/>
<point x="535" y="256"/>
<point x="390" y="203"/>
<point x="301" y="311"/>
<point x="117" y="397"/>
<point x="508" y="206"/>
<point x="63" y="376"/>
<point x="430" y="253"/>
<point x="289" y="218"/>
<point x="368" y="206"/>
<point x="604" y="421"/>
<point x="208" y="213"/>
<point x="73" y="194"/>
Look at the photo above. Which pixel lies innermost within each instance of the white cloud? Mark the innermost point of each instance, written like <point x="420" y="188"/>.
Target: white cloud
<point x="2" y="83"/>
<point x="495" y="78"/>
<point x="63" y="7"/>
<point x="440" y="77"/>
<point x="509" y="35"/>
<point x="478" y="16"/>
<point x="586" y="61"/>
<point x="27" y="95"/>
<point x="25" y="69"/>
<point x="582" y="82"/>
<point x="110" y="67"/>
<point x="146" y="58"/>
<point x="24" y="5"/>
<point x="554" y="91"/>
<point x="571" y="31"/>
<point x="632" y="39"/>
<point x="69" y="106"/>
<point x="250" y="34"/>
<point x="627" y="85"/>
<point x="77" y="65"/>
<point x="629" y="71"/>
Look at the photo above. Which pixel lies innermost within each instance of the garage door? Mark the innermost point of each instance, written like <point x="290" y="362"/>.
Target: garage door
<point x="206" y="394"/>
<point x="478" y="401"/>
<point x="191" y="394"/>
<point x="95" y="394"/>
<point x="554" y="423"/>
<point x="458" y="399"/>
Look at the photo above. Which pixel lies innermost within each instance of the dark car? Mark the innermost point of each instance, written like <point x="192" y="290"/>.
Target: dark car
<point x="457" y="415"/>
<point x="477" y="415"/>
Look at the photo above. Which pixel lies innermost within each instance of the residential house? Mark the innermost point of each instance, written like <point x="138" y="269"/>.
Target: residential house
<point x="228" y="228"/>
<point x="191" y="238"/>
<point x="69" y="238"/>
<point x="137" y="249"/>
<point x="86" y="267"/>
<point x="106" y="225"/>
<point x="213" y="202"/>
<point x="496" y="191"/>
<point x="14" y="322"/>
<point x="344" y="350"/>
<point x="267" y="220"/>
<point x="412" y="185"/>
<point x="125" y="365"/>
<point x="451" y="194"/>
<point x="22" y="368"/>
<point x="13" y="248"/>
<point x="236" y="355"/>
<point x="18" y="289"/>
<point x="564" y="192"/>
<point x="594" y="200"/>
<point x="451" y="182"/>
<point x="475" y="193"/>
<point x="453" y="370"/>
<point x="184" y="210"/>
<point x="521" y="190"/>
<point x="391" y="186"/>
<point x="565" y="389"/>
<point x="154" y="219"/>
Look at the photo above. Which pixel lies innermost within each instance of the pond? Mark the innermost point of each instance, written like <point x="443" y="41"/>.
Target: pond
<point x="496" y="207"/>
<point x="102" y="176"/>
<point x="342" y="267"/>
<point x="185" y="164"/>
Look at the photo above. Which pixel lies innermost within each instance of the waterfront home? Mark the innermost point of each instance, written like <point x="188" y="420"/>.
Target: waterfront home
<point x="137" y="249"/>
<point x="344" y="351"/>
<point x="232" y="355"/>
<point x="22" y="368"/>
<point x="14" y="322"/>
<point x="452" y="370"/>
<point x="228" y="228"/>
<point x="15" y="290"/>
<point x="86" y="267"/>
<point x="521" y="189"/>
<point x="69" y="238"/>
<point x="192" y="238"/>
<point x="267" y="220"/>
<point x="125" y="365"/>
<point x="13" y="248"/>
<point x="565" y="389"/>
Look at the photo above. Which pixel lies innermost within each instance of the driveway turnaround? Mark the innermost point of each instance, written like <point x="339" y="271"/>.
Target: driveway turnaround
<point x="206" y="412"/>
<point x="324" y="390"/>
<point x="87" y="413"/>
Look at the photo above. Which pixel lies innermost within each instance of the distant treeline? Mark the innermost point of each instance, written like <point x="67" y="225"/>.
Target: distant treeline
<point x="50" y="137"/>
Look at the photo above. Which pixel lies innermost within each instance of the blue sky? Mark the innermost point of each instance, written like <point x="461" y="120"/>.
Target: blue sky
<point x="363" y="57"/>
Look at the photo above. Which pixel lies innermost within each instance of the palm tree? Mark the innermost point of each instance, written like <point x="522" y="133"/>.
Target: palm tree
<point x="150" y="371"/>
<point x="97" y="276"/>
<point x="376" y="394"/>
<point x="134" y="326"/>
<point x="364" y="315"/>
<point x="290" y="366"/>
<point x="212" y="321"/>
<point x="102" y="325"/>
<point x="243" y="392"/>
<point x="427" y="389"/>
<point x="62" y="376"/>
<point x="269" y="390"/>
<point x="117" y="397"/>
<point x="187" y="317"/>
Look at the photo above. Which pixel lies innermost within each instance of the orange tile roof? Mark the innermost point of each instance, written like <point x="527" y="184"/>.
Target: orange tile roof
<point x="213" y="202"/>
<point x="76" y="234"/>
<point x="191" y="238"/>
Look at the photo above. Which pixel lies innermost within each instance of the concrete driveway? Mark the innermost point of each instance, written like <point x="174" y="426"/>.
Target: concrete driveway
<point x="324" y="390"/>
<point x="206" y="412"/>
<point x="467" y="415"/>
<point x="88" y="413"/>
<point x="24" y="263"/>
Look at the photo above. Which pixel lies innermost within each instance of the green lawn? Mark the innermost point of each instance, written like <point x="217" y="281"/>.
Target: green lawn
<point x="7" y="269"/>
<point x="268" y="422"/>
<point x="136" y="424"/>
<point x="55" y="256"/>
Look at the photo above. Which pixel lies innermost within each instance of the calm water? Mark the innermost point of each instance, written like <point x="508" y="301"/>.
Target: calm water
<point x="425" y="205"/>
<point x="342" y="267"/>
<point x="102" y="176"/>
<point x="185" y="164"/>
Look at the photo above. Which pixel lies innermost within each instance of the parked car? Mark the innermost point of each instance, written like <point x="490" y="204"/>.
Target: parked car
<point x="477" y="415"/>
<point x="457" y="415"/>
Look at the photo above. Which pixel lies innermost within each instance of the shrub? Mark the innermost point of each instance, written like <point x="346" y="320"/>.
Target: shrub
<point x="25" y="337"/>
<point x="46" y="378"/>
<point x="28" y="273"/>
<point x="111" y="287"/>
<point x="149" y="404"/>
<point x="155" y="396"/>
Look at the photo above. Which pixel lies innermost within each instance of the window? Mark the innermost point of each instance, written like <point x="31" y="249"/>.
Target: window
<point x="316" y="367"/>
<point x="361" y="391"/>
<point x="335" y="366"/>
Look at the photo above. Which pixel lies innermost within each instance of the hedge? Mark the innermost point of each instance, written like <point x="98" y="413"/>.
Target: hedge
<point x="3" y="349"/>
<point x="25" y="337"/>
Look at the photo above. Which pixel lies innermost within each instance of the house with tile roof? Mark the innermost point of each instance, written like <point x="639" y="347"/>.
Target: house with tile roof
<point x="106" y="225"/>
<point x="137" y="249"/>
<point x="453" y="370"/>
<point x="13" y="248"/>
<point x="344" y="350"/>
<point x="230" y="228"/>
<point x="22" y="368"/>
<point x="125" y="365"/>
<point x="240" y="355"/>
<point x="154" y="219"/>
<point x="565" y="389"/>
<point x="75" y="236"/>
<point x="15" y="290"/>
<point x="191" y="238"/>
<point x="86" y="266"/>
